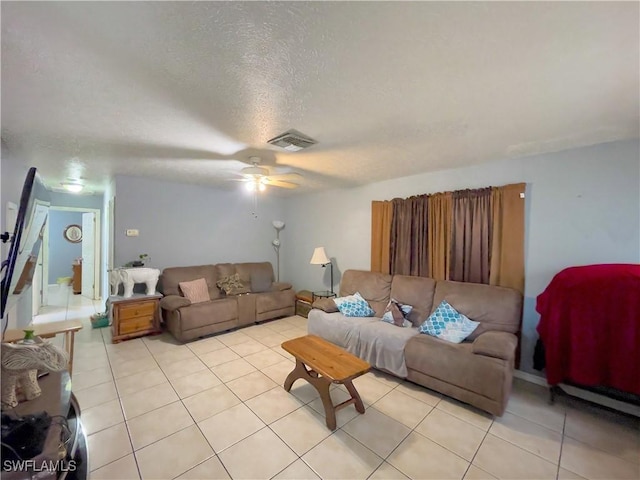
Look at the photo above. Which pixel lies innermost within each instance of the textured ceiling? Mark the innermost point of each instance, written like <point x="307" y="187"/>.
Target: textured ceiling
<point x="188" y="90"/>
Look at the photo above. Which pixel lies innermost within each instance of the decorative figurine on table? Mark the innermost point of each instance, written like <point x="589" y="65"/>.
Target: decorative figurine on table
<point x="130" y="276"/>
<point x="20" y="364"/>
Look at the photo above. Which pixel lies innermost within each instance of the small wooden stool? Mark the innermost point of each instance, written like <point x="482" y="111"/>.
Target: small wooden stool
<point x="322" y="363"/>
<point x="304" y="300"/>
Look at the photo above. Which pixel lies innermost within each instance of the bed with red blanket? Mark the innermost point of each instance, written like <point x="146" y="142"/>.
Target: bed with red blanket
<point x="590" y="326"/>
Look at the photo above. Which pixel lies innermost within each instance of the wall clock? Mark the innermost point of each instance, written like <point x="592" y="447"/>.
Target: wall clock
<point x="73" y="233"/>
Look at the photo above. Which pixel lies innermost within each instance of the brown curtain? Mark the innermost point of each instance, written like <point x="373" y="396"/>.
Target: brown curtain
<point x="471" y="236"/>
<point x="507" y="245"/>
<point x="380" y="235"/>
<point x="409" y="237"/>
<point x="439" y="235"/>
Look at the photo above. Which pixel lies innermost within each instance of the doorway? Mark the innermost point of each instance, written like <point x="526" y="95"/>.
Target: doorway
<point x="72" y="257"/>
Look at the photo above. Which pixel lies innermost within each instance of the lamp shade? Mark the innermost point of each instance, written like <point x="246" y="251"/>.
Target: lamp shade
<point x="278" y="224"/>
<point x="319" y="257"/>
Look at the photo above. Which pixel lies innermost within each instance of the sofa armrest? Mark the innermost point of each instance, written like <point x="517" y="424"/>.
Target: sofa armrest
<point x="280" y="286"/>
<point x="325" y="304"/>
<point x="174" y="302"/>
<point x="495" y="344"/>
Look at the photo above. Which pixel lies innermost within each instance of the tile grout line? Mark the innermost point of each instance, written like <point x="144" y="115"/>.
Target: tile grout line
<point x="564" y="426"/>
<point x="123" y="416"/>
<point x="195" y="423"/>
<point x="104" y="341"/>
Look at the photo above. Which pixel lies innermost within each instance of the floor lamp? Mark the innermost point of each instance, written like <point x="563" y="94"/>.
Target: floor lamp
<point x="278" y="225"/>
<point x="320" y="258"/>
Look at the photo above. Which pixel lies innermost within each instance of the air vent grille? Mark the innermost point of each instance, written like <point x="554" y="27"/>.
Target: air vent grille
<point x="292" y="140"/>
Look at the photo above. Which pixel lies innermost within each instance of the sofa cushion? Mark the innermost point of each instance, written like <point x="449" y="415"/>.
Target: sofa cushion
<point x="448" y="324"/>
<point x="415" y="291"/>
<point x="337" y="329"/>
<point x="246" y="269"/>
<point x="172" y="276"/>
<point x="382" y="345"/>
<point x="374" y="287"/>
<point x="456" y="364"/>
<point x="354" y="306"/>
<point x="496" y="344"/>
<point x="270" y="301"/>
<point x="208" y="313"/>
<point x="195" y="290"/>
<point x="496" y="308"/>
<point x="261" y="277"/>
<point x="225" y="269"/>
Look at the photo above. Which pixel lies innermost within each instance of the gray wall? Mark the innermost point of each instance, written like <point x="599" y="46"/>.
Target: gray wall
<point x="62" y="253"/>
<point x="582" y="207"/>
<point x="61" y="199"/>
<point x="183" y="224"/>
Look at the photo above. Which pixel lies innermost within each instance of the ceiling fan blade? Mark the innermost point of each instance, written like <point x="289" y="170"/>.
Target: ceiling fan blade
<point x="280" y="183"/>
<point x="286" y="176"/>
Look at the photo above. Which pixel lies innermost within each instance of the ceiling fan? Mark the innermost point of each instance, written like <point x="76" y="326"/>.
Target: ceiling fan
<point x="257" y="178"/>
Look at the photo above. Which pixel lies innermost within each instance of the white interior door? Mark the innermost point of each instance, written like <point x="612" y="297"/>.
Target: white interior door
<point x="88" y="254"/>
<point x="36" y="286"/>
<point x="44" y="260"/>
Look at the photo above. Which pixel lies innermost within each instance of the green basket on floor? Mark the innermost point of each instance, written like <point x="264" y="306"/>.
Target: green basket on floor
<point x="99" y="320"/>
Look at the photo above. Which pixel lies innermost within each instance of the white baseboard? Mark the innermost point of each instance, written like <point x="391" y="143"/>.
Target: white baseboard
<point x="529" y="377"/>
<point x="583" y="394"/>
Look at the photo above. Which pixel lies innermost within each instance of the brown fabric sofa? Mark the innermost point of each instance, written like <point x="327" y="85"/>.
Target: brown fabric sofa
<point x="264" y="299"/>
<point x="478" y="371"/>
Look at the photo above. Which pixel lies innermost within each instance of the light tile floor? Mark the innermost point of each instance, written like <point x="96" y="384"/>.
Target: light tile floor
<point x="215" y="408"/>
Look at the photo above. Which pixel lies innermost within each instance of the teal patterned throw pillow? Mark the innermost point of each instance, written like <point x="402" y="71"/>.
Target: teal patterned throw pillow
<point x="354" y="306"/>
<point x="448" y="324"/>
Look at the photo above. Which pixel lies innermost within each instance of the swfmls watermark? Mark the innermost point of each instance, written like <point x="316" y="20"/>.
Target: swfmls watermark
<point x="39" y="466"/>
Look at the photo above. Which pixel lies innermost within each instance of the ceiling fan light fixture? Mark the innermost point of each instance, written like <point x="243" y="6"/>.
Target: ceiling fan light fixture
<point x="72" y="187"/>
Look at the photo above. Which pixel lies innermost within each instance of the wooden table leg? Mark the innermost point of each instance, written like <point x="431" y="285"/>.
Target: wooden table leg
<point x="299" y="371"/>
<point x="69" y="339"/>
<point x="321" y="384"/>
<point x="355" y="396"/>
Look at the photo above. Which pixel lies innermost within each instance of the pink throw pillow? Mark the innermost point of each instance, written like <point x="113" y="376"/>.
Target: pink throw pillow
<point x="196" y="290"/>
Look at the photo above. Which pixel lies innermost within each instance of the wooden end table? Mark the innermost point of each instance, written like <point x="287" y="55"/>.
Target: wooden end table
<point x="322" y="363"/>
<point x="134" y="316"/>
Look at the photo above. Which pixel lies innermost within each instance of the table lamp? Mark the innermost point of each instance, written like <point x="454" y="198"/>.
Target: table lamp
<point x="320" y="258"/>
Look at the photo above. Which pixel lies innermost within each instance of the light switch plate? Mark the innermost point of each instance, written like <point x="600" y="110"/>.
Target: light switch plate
<point x="132" y="232"/>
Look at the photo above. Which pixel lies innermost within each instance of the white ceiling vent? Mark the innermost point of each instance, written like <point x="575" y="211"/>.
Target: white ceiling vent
<point x="292" y="140"/>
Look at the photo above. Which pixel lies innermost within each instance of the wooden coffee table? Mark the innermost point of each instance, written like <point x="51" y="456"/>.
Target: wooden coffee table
<point x="322" y="363"/>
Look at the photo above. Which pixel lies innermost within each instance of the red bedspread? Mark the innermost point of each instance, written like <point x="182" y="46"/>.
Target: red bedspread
<point x="590" y="326"/>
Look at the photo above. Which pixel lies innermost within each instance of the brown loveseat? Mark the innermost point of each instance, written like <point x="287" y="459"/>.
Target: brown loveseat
<point x="260" y="299"/>
<point x="478" y="371"/>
